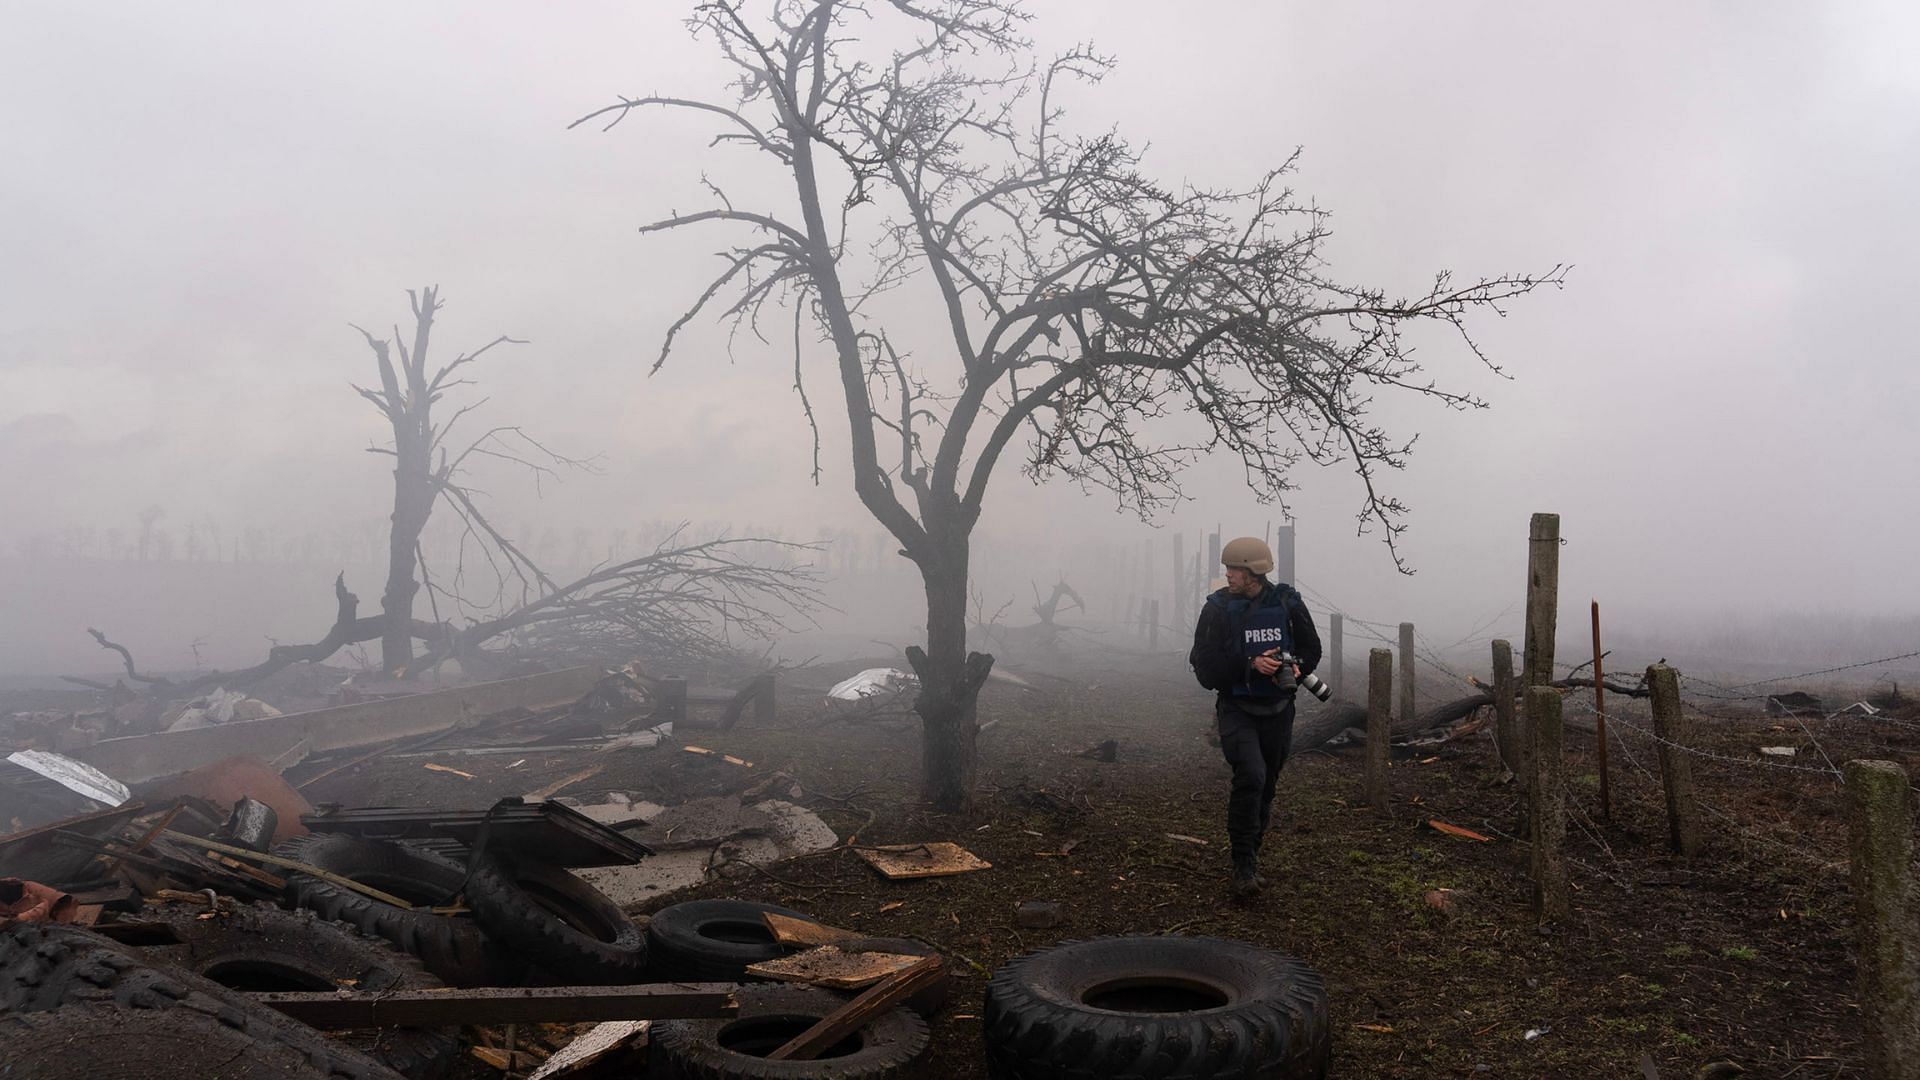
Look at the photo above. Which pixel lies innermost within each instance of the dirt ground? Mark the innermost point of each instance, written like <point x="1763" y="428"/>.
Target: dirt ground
<point x="1742" y="955"/>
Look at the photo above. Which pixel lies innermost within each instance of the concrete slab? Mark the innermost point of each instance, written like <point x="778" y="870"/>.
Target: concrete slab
<point x="702" y="823"/>
<point x="786" y="830"/>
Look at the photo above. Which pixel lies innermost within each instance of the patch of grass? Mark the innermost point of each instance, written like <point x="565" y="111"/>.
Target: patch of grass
<point x="1740" y="952"/>
<point x="1680" y="951"/>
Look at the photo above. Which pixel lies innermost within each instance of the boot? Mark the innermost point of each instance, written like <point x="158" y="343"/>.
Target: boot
<point x="1246" y="879"/>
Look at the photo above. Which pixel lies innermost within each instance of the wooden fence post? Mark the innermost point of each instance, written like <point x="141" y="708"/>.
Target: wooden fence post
<point x="1379" y="726"/>
<point x="1336" y="667"/>
<point x="1549" y="804"/>
<point x="1543" y="617"/>
<point x="1505" y="732"/>
<point x="1153" y="626"/>
<point x="1180" y="578"/>
<point x="1676" y="768"/>
<point x="1880" y="850"/>
<point x="1406" y="672"/>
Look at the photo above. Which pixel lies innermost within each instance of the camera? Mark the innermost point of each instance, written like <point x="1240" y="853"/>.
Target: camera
<point x="1312" y="683"/>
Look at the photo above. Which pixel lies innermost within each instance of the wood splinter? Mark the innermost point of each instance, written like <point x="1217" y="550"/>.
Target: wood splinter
<point x="855" y="1014"/>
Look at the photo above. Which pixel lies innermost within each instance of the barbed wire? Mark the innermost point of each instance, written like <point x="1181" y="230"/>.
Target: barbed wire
<point x="1826" y="671"/>
<point x="1615" y="719"/>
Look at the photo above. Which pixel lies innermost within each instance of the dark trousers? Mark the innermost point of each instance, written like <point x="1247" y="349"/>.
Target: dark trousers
<point x="1256" y="748"/>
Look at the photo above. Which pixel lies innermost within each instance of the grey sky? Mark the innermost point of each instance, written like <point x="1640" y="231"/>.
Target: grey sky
<point x="197" y="198"/>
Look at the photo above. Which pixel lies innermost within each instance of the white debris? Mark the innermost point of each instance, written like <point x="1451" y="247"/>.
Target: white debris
<point x="640" y="740"/>
<point x="870" y="682"/>
<point x="785" y="830"/>
<point x="1779" y="751"/>
<point x="76" y="776"/>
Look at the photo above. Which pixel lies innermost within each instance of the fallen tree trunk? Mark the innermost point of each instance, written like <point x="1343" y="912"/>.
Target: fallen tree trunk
<point x="349" y="628"/>
<point x="1316" y="724"/>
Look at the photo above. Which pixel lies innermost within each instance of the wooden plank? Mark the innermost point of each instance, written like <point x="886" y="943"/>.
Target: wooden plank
<point x="922" y="860"/>
<point x="166" y="821"/>
<point x="829" y="967"/>
<point x="451" y="1007"/>
<point x="855" y="1014"/>
<point x="563" y="783"/>
<point x="728" y="758"/>
<point x="290" y="864"/>
<point x="788" y="930"/>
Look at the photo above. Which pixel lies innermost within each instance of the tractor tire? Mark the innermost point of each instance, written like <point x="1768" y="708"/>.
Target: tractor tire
<point x="1172" y="1008"/>
<point x="73" y="1004"/>
<point x="262" y="948"/>
<point x="713" y="940"/>
<point x="556" y="921"/>
<point x="452" y="948"/>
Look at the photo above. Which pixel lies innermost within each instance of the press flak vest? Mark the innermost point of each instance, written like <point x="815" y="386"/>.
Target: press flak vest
<point x="1261" y="629"/>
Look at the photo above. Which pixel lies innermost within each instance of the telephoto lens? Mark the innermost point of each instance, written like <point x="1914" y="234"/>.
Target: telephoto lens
<point x="1316" y="687"/>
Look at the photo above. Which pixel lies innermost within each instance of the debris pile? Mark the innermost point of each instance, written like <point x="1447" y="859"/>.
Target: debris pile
<point x="423" y="933"/>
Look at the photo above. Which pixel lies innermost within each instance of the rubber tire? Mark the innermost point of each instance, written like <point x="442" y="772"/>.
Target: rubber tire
<point x="693" y="1050"/>
<point x="1273" y="1024"/>
<point x="301" y="951"/>
<point x="685" y="947"/>
<point x="452" y="948"/>
<point x="561" y="924"/>
<point x="929" y="999"/>
<point x="75" y="1004"/>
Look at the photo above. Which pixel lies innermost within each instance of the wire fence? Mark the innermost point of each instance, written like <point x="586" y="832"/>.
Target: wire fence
<point x="1770" y="782"/>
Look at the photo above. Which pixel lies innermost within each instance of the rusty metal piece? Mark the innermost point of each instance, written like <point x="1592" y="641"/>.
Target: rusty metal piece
<point x="30" y="901"/>
<point x="224" y="783"/>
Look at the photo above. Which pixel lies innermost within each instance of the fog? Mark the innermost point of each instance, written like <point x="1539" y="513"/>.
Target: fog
<point x="199" y="199"/>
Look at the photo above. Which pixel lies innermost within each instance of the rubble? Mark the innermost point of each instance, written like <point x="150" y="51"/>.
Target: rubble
<point x="214" y="836"/>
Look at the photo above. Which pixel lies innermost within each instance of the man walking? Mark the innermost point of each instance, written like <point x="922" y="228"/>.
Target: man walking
<point x="1254" y="639"/>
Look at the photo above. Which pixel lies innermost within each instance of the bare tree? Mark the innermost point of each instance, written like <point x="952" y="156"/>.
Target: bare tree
<point x="1081" y="299"/>
<point x="686" y="600"/>
<point x="424" y="472"/>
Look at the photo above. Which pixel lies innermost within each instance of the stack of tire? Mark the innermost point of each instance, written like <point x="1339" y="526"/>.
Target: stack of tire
<point x="524" y="914"/>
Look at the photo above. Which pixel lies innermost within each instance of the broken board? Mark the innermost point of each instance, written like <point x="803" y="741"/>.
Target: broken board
<point x="788" y="930"/>
<point x="829" y="967"/>
<point x="922" y="860"/>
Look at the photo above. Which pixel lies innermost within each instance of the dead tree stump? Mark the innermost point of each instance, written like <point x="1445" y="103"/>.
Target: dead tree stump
<point x="1676" y="768"/>
<point x="1548" y="814"/>
<point x="1379" y="727"/>
<point x="1880" y="850"/>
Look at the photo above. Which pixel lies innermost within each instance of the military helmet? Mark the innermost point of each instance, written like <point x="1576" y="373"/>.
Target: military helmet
<point x="1249" y="553"/>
